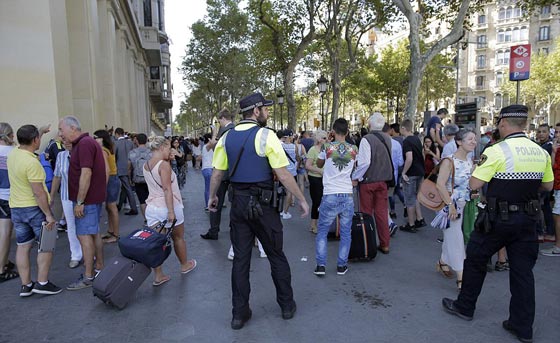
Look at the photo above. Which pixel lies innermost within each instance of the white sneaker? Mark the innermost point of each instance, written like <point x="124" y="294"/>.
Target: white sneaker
<point x="230" y="254"/>
<point x="286" y="215"/>
<point x="554" y="251"/>
<point x="263" y="254"/>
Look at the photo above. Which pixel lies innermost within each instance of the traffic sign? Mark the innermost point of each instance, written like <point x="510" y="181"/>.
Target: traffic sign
<point x="520" y="62"/>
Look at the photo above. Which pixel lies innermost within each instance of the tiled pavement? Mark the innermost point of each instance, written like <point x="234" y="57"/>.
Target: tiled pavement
<point x="395" y="298"/>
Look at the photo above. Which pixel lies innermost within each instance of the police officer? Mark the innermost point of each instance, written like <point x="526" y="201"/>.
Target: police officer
<point x="254" y="156"/>
<point x="516" y="169"/>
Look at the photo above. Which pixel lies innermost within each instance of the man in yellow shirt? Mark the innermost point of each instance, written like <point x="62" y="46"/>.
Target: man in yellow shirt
<point x="29" y="203"/>
<point x="253" y="155"/>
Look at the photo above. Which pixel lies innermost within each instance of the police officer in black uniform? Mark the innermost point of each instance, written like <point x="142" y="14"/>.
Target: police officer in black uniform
<point x="516" y="169"/>
<point x="254" y="157"/>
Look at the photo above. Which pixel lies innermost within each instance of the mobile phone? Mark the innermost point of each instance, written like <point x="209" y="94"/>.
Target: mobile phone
<point x="47" y="239"/>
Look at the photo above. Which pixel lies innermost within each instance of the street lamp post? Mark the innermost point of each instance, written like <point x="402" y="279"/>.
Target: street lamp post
<point x="322" y="83"/>
<point x="280" y="97"/>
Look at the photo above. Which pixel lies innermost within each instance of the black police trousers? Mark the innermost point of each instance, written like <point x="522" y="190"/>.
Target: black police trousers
<point x="268" y="229"/>
<point x="518" y="235"/>
<point x="216" y="217"/>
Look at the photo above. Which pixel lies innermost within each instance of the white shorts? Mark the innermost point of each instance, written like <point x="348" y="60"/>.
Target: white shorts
<point x="156" y="215"/>
<point x="556" y="208"/>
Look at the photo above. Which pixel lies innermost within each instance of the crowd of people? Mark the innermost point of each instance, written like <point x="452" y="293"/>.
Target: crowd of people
<point x="381" y="163"/>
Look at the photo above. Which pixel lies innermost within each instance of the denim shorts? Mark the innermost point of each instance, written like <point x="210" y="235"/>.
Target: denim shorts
<point x="27" y="223"/>
<point x="113" y="189"/>
<point x="89" y="223"/>
<point x="411" y="190"/>
<point x="4" y="209"/>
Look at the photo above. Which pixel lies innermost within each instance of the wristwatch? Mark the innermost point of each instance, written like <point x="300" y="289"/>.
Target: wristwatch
<point x="79" y="202"/>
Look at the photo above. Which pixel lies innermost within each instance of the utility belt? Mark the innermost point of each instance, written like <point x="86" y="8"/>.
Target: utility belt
<point x="259" y="196"/>
<point x="492" y="209"/>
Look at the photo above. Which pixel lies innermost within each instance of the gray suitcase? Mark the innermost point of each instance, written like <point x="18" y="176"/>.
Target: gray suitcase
<point x="117" y="283"/>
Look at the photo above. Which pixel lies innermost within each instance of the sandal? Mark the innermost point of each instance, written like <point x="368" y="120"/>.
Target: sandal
<point x="193" y="262"/>
<point x="444" y="269"/>
<point x="9" y="266"/>
<point x="109" y="237"/>
<point x="161" y="282"/>
<point x="8" y="275"/>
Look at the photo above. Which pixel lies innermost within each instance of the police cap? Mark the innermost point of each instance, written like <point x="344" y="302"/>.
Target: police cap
<point x="514" y="111"/>
<point x="254" y="100"/>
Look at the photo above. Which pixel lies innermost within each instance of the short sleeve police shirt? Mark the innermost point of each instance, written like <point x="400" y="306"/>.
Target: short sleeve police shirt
<point x="514" y="169"/>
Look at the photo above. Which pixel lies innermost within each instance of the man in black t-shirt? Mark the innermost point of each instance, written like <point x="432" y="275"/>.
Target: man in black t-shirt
<point x="412" y="176"/>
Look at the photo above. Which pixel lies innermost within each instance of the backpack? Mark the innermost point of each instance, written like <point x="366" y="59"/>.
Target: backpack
<point x="49" y="174"/>
<point x="138" y="166"/>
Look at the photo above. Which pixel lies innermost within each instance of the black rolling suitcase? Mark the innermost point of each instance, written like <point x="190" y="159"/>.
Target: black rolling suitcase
<point x="364" y="244"/>
<point x="117" y="283"/>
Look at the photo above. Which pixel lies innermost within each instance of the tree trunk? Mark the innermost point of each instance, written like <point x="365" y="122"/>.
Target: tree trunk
<point x="336" y="86"/>
<point x="419" y="61"/>
<point x="289" y="95"/>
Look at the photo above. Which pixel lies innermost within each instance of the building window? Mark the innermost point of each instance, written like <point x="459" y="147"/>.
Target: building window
<point x="544" y="33"/>
<point x="479" y="82"/>
<point x="507" y="36"/>
<point x="482" y="19"/>
<point x="517" y="12"/>
<point x="498" y="101"/>
<point x="524" y="33"/>
<point x="544" y="51"/>
<point x="545" y="10"/>
<point x="147" y="13"/>
<point x="515" y="35"/>
<point x="509" y="13"/>
<point x="481" y="61"/>
<point x="499" y="78"/>
<point x="500" y="36"/>
<point x="481" y="41"/>
<point x="502" y="14"/>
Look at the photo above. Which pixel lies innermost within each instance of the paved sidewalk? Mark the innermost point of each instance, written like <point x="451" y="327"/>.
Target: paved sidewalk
<point x="395" y="298"/>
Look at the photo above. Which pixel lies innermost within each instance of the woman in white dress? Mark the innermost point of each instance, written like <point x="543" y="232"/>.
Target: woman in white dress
<point x="455" y="192"/>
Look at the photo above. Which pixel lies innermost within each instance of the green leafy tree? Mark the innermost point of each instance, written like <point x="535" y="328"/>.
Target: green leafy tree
<point x="344" y="23"/>
<point x="219" y="66"/>
<point x="455" y="14"/>
<point x="284" y="31"/>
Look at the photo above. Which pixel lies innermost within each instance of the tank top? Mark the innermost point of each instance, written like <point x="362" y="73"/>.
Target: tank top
<point x="112" y="162"/>
<point x="156" y="196"/>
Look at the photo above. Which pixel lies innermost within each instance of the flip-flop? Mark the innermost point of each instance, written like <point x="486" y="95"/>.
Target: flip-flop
<point x="161" y="282"/>
<point x="189" y="270"/>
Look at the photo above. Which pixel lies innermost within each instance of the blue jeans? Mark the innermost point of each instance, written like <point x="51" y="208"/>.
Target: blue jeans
<point x="333" y="205"/>
<point x="207" y="173"/>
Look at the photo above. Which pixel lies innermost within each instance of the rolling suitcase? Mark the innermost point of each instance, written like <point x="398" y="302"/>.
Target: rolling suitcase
<point x="364" y="244"/>
<point x="118" y="281"/>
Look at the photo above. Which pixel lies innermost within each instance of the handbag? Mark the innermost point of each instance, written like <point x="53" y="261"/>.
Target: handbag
<point x="428" y="194"/>
<point x="149" y="246"/>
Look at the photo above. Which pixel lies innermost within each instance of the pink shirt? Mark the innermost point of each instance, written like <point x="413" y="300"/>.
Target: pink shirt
<point x="156" y="196"/>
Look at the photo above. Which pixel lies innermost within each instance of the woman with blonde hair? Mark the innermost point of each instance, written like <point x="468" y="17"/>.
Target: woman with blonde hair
<point x="453" y="186"/>
<point x="315" y="175"/>
<point x="164" y="202"/>
<point x="7" y="271"/>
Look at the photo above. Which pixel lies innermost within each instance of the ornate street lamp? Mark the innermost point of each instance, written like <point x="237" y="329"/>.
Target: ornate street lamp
<point x="322" y="84"/>
<point x="280" y="97"/>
